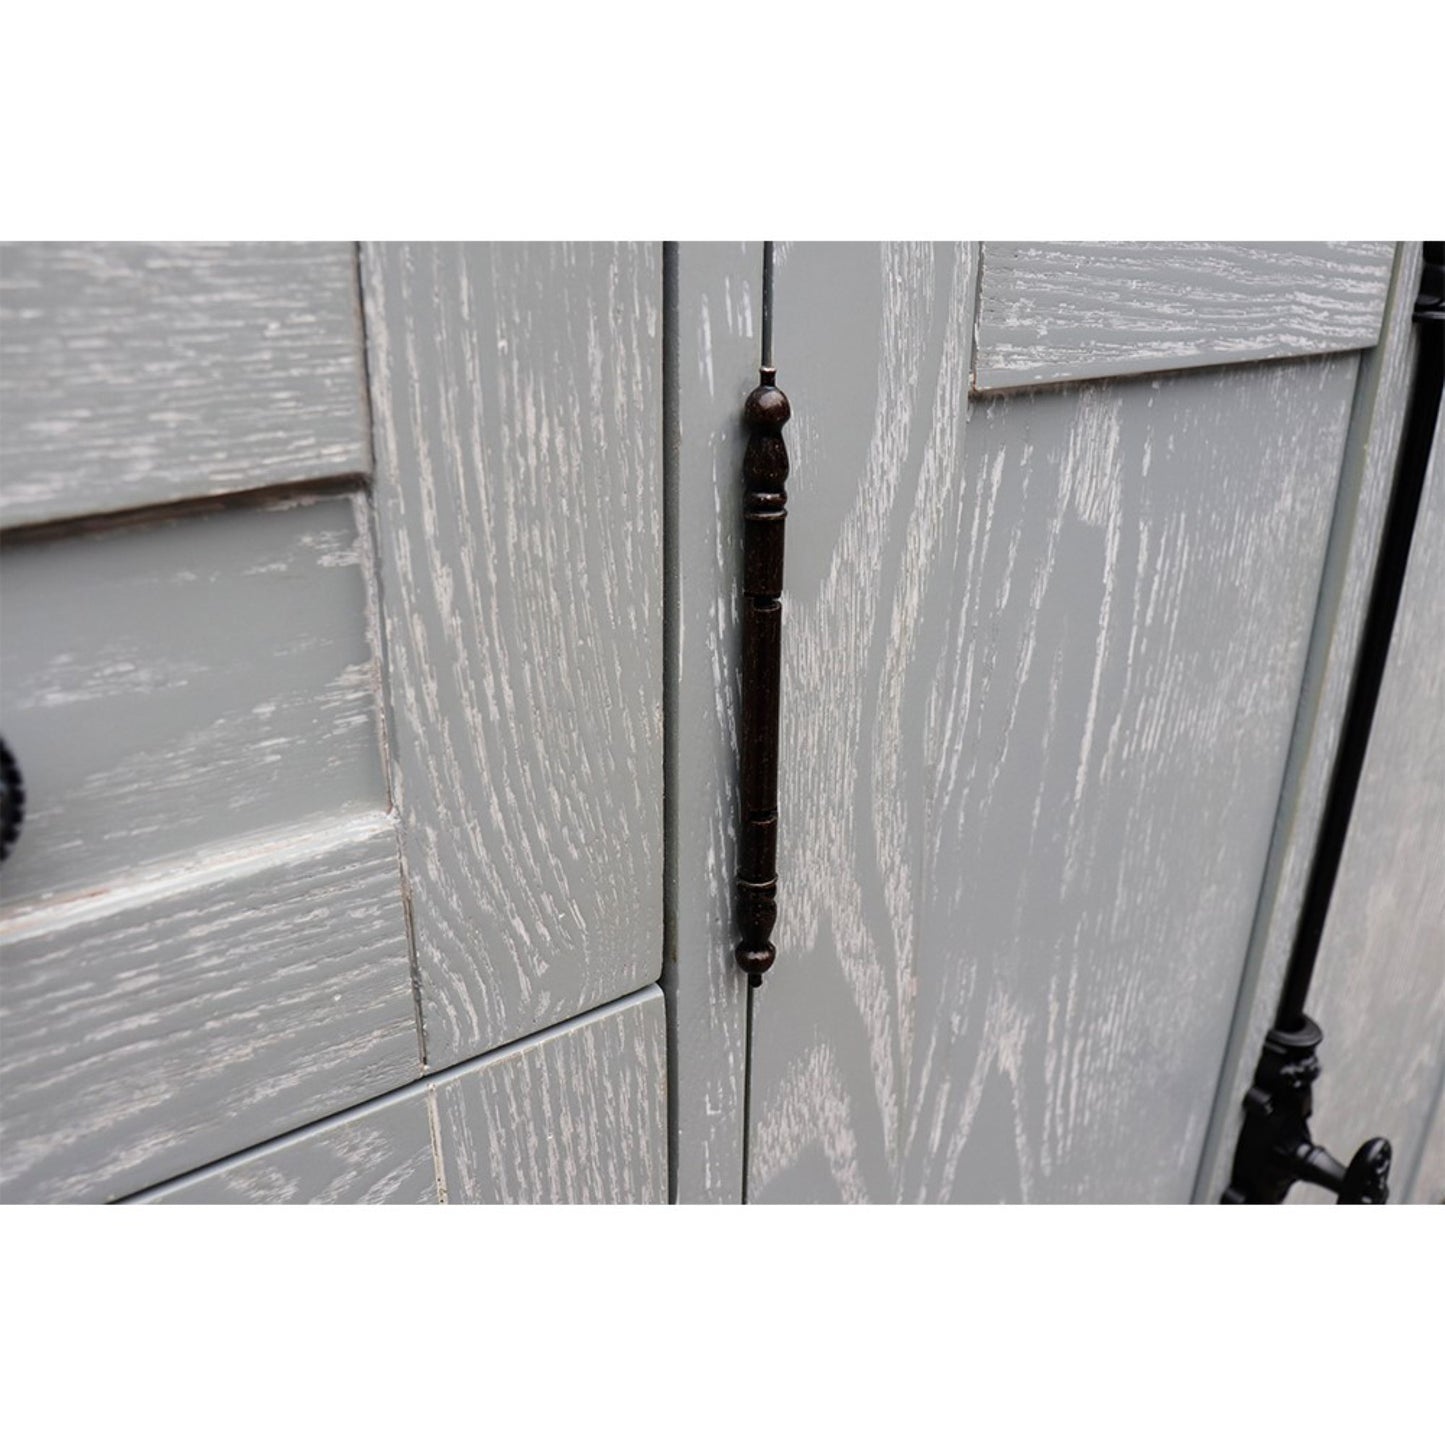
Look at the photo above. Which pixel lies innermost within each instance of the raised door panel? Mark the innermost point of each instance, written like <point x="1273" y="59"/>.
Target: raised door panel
<point x="1041" y="660"/>
<point x="517" y="394"/>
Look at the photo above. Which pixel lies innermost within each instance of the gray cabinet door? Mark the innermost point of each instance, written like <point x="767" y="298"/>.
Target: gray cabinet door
<point x="331" y="657"/>
<point x="1050" y="594"/>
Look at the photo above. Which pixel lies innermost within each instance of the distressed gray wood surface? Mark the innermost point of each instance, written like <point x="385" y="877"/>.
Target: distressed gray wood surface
<point x="175" y="683"/>
<point x="1052" y="646"/>
<point x="134" y="374"/>
<point x="517" y="393"/>
<point x="378" y="1154"/>
<point x="1428" y="1185"/>
<point x="575" y="1116"/>
<point x="183" y="1016"/>
<point x="715" y="291"/>
<point x="1367" y="477"/>
<point x="878" y="389"/>
<point x="1379" y="984"/>
<point x="1062" y="311"/>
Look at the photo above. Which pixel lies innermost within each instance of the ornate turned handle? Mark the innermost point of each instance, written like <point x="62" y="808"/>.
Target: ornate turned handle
<point x="1276" y="1151"/>
<point x="12" y="801"/>
<point x="765" y="510"/>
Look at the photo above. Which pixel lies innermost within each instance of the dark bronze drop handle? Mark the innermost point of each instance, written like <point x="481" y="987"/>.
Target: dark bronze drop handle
<point x="12" y="801"/>
<point x="765" y="510"/>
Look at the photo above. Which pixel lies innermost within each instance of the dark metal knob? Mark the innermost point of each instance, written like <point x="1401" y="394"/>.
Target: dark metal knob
<point x="12" y="801"/>
<point x="1367" y="1177"/>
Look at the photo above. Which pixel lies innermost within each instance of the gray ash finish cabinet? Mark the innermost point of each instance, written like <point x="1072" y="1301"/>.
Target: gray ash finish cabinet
<point x="330" y="653"/>
<point x="368" y="641"/>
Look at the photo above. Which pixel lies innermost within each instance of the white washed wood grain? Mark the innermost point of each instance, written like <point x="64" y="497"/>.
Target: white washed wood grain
<point x="1367" y="477"/>
<point x="878" y="390"/>
<point x="573" y="1115"/>
<point x="577" y="1115"/>
<point x="516" y="393"/>
<point x="1052" y="646"/>
<point x="136" y="374"/>
<point x="179" y="1017"/>
<point x="378" y="1154"/>
<point x="1059" y="311"/>
<point x="181" y="682"/>
<point x="718" y="313"/>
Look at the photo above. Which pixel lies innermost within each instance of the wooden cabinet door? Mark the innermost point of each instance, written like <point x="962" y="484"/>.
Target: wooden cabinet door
<point x="331" y="660"/>
<point x="1058" y="523"/>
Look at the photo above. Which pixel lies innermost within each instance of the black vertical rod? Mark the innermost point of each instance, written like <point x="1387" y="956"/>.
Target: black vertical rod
<point x="767" y="357"/>
<point x="765" y="511"/>
<point x="1384" y="604"/>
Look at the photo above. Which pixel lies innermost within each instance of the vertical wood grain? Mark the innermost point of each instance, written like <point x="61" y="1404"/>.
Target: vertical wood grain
<point x="717" y="311"/>
<point x="135" y="374"/>
<point x="1367" y="477"/>
<point x="878" y="388"/>
<point x="1052" y="645"/>
<point x="577" y="1115"/>
<point x="516" y="393"/>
